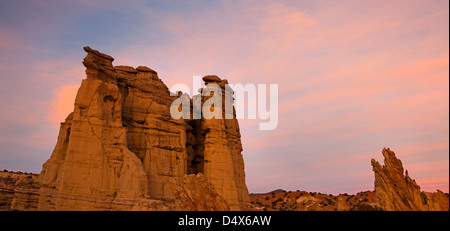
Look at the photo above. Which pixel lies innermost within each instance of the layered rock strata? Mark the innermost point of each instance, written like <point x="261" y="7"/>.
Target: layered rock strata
<point x="19" y="191"/>
<point x="120" y="149"/>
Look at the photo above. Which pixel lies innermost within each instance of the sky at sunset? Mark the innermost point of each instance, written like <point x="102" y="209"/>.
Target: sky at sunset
<point x="353" y="77"/>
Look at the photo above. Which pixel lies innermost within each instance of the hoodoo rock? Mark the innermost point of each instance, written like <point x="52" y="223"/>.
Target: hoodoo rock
<point x="120" y="149"/>
<point x="396" y="191"/>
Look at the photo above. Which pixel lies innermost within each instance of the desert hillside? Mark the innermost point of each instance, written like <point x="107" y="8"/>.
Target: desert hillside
<point x="313" y="201"/>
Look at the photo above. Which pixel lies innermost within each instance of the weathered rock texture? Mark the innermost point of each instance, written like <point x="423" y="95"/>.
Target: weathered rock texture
<point x="396" y="191"/>
<point x="18" y="191"/>
<point x="192" y="192"/>
<point x="195" y="193"/>
<point x="121" y="150"/>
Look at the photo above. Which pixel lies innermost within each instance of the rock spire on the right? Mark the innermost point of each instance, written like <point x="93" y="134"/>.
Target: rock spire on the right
<point x="396" y="191"/>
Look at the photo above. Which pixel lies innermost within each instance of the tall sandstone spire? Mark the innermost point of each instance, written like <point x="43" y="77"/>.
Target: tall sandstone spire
<point x="120" y="149"/>
<point x="396" y="191"/>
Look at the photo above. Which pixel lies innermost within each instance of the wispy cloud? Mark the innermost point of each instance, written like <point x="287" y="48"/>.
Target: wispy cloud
<point x="63" y="104"/>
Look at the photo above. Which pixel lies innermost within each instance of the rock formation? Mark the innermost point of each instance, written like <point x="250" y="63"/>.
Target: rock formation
<point x="396" y="191"/>
<point x="195" y="193"/>
<point x="342" y="204"/>
<point x="18" y="191"/>
<point x="120" y="149"/>
<point x="192" y="192"/>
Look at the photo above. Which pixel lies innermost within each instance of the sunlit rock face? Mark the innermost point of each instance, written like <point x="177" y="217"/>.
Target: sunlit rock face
<point x="396" y="191"/>
<point x="120" y="149"/>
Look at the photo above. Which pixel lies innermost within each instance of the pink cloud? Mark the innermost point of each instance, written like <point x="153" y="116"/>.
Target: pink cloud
<point x="9" y="40"/>
<point x="63" y="103"/>
<point x="433" y="183"/>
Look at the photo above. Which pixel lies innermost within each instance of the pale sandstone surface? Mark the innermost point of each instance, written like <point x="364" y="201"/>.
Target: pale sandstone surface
<point x="192" y="192"/>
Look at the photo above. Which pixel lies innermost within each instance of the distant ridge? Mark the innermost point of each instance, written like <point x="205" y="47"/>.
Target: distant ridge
<point x="274" y="191"/>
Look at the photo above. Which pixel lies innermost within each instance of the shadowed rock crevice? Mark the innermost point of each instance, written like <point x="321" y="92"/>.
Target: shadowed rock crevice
<point x="195" y="145"/>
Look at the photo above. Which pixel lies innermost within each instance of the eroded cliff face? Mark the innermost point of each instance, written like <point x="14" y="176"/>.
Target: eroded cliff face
<point x="19" y="191"/>
<point x="396" y="191"/>
<point x="120" y="149"/>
